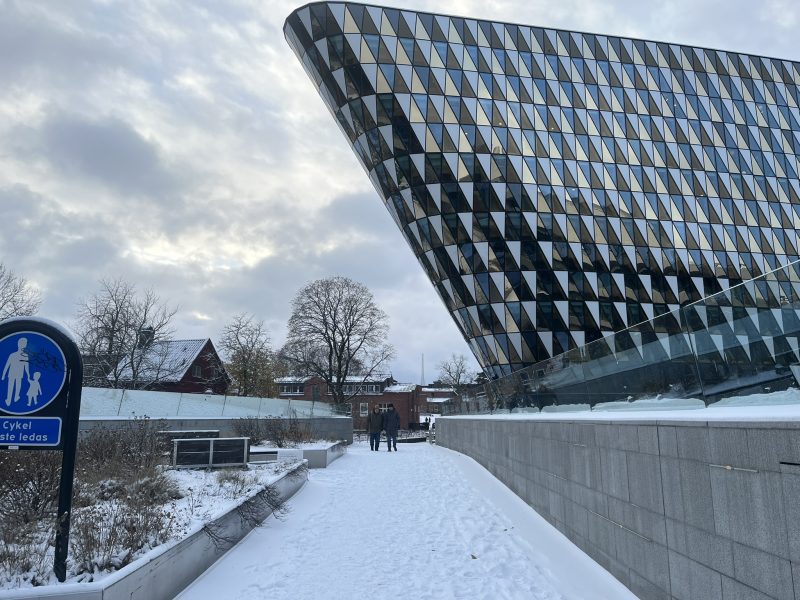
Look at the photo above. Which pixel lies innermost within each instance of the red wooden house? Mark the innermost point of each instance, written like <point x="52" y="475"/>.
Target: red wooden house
<point x="188" y="366"/>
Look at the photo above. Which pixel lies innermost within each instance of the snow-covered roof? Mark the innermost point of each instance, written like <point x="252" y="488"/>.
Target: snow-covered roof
<point x="437" y="400"/>
<point x="166" y="361"/>
<point x="378" y="378"/>
<point x="292" y="379"/>
<point x="401" y="387"/>
<point x="433" y="390"/>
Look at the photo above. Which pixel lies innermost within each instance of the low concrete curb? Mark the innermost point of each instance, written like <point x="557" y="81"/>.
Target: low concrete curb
<point x="162" y="575"/>
<point x="318" y="458"/>
<point x="322" y="457"/>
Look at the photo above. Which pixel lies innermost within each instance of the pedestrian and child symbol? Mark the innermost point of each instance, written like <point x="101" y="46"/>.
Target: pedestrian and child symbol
<point x="34" y="389"/>
<point x="32" y="363"/>
<point x="16" y="368"/>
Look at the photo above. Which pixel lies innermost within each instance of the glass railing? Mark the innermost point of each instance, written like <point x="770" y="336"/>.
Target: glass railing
<point x="104" y="402"/>
<point x="742" y="340"/>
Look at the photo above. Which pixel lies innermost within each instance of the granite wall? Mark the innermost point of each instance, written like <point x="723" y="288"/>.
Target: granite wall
<point x="673" y="509"/>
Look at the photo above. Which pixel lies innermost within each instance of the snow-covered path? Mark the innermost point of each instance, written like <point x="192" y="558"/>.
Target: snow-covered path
<point x="423" y="523"/>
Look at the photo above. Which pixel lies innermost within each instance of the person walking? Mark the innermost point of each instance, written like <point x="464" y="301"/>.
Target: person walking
<point x="391" y="423"/>
<point x="374" y="428"/>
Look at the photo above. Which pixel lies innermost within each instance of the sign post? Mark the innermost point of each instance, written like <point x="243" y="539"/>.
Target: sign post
<point x="41" y="374"/>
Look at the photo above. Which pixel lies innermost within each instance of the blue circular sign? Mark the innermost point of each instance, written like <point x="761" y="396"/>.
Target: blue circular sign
<point x="33" y="372"/>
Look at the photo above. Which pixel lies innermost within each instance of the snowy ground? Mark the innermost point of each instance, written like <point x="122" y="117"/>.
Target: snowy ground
<point x="209" y="494"/>
<point x="423" y="523"/>
<point x="314" y="445"/>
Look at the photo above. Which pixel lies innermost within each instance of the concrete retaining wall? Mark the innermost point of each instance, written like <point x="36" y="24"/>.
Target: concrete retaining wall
<point x="328" y="428"/>
<point x="672" y="509"/>
<point x="162" y="575"/>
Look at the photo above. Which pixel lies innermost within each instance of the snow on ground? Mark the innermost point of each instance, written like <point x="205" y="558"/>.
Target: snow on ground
<point x="313" y="445"/>
<point x="422" y="523"/>
<point x="209" y="494"/>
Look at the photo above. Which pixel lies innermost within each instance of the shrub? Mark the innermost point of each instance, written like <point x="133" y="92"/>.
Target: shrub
<point x="106" y="535"/>
<point x="29" y="485"/>
<point x="251" y="427"/>
<point x="119" y="495"/>
<point x="117" y="503"/>
<point x="132" y="450"/>
<point x="157" y="489"/>
<point x="277" y="432"/>
<point x="283" y="432"/>
<point x="234" y="482"/>
<point x="298" y="432"/>
<point x="24" y="553"/>
<point x="287" y="432"/>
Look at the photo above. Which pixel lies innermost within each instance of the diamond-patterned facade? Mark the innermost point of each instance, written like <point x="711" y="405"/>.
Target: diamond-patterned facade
<point x="558" y="185"/>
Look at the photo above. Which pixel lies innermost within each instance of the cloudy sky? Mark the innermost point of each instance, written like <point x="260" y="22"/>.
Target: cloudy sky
<point x="181" y="146"/>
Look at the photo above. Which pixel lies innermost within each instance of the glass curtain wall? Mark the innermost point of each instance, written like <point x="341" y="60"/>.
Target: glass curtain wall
<point x="741" y="340"/>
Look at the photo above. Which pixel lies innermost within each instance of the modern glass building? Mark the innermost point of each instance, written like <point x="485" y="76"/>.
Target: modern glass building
<point x="555" y="185"/>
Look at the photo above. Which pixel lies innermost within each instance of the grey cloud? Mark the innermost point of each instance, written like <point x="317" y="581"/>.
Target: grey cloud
<point x="108" y="151"/>
<point x="62" y="252"/>
<point x="369" y="247"/>
<point x="378" y="264"/>
<point x="420" y="324"/>
<point x="33" y="42"/>
<point x="36" y="232"/>
<point x="265" y="289"/>
<point x="21" y="208"/>
<point x="354" y="211"/>
<point x="91" y="253"/>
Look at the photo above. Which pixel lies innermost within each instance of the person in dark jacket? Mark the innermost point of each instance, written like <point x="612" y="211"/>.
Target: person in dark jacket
<point x="374" y="428"/>
<point x="391" y="423"/>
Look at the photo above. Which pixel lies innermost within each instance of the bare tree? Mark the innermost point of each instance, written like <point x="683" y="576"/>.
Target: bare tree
<point x="250" y="361"/>
<point x="456" y="372"/>
<point x="337" y="331"/>
<point x="123" y="336"/>
<point x="17" y="297"/>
